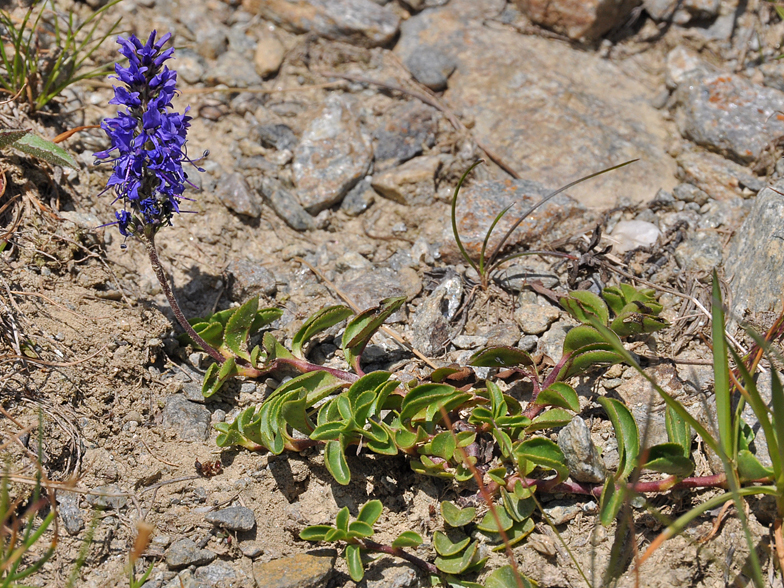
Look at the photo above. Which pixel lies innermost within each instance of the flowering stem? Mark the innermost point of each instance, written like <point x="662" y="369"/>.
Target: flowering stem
<point x="149" y="243"/>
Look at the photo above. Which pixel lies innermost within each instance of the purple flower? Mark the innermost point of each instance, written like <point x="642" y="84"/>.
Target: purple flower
<point x="148" y="139"/>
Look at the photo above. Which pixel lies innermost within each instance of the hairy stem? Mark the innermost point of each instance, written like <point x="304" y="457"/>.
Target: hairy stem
<point x="426" y="567"/>
<point x="155" y="261"/>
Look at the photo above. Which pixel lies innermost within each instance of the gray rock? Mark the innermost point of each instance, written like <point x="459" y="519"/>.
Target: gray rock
<point x="719" y="177"/>
<point x="108" y="502"/>
<point x="286" y="206"/>
<point x="479" y="204"/>
<point x="412" y="184"/>
<point x="690" y="193"/>
<point x="234" y="518"/>
<point x="702" y="252"/>
<point x="580" y="452"/>
<point x="212" y="41"/>
<point x="681" y="12"/>
<point x="757" y="256"/>
<point x="651" y="424"/>
<point x="360" y="22"/>
<point x="269" y="53"/>
<point x="585" y="20"/>
<point x="184" y="552"/>
<point x="409" y="126"/>
<point x="331" y="157"/>
<point x="528" y="343"/>
<point x="773" y="74"/>
<point x="728" y="114"/>
<point x="190" y="66"/>
<point x="278" y="136"/>
<point x="304" y="570"/>
<point x="368" y="288"/>
<point x="682" y="63"/>
<point x="505" y="335"/>
<point x="535" y="319"/>
<point x="358" y="199"/>
<point x="235" y="193"/>
<point x="247" y="278"/>
<point x="430" y="326"/>
<point x="190" y="420"/>
<point x="544" y="107"/>
<point x="234" y="71"/>
<point x="399" y="575"/>
<point x="431" y="67"/>
<point x="220" y="573"/>
<point x="551" y="343"/>
<point x="69" y="512"/>
<point x="560" y="512"/>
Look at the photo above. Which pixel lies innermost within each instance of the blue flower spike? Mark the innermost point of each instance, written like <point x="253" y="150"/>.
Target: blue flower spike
<point x="148" y="150"/>
<point x="148" y="139"/>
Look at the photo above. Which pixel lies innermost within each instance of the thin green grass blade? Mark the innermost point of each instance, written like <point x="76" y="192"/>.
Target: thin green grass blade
<point x="496" y="220"/>
<point x="459" y="243"/>
<point x="721" y="372"/>
<point x="546" y="199"/>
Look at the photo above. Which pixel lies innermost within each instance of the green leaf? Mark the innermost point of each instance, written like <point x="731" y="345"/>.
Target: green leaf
<point x="341" y="519"/>
<point x="626" y="433"/>
<point x="497" y="401"/>
<point x="488" y="524"/>
<point x="635" y="323"/>
<point x="362" y="327"/>
<point x="360" y="530"/>
<point x="320" y="321"/>
<point x="264" y="316"/>
<point x="354" y="561"/>
<point x="370" y="512"/>
<point x="443" y="445"/>
<point x="441" y="374"/>
<point x="555" y="417"/>
<point x="515" y="535"/>
<point x="721" y="371"/>
<point x="8" y="136"/>
<point x="500" y="357"/>
<point x="610" y="502"/>
<point x="458" y="563"/>
<point x="423" y="396"/>
<point x="444" y="546"/>
<point x="455" y="516"/>
<point x="216" y="376"/>
<point x="335" y="460"/>
<point x="46" y="150"/>
<point x="582" y="303"/>
<point x="583" y="336"/>
<point x="237" y="329"/>
<point x="319" y="385"/>
<point x="518" y="509"/>
<point x="408" y="539"/>
<point x="294" y="412"/>
<point x="545" y="453"/>
<point x="336" y="535"/>
<point x="328" y="431"/>
<point x="559" y="394"/>
<point x="678" y="431"/>
<point x="750" y="468"/>
<point x="505" y="577"/>
<point x="212" y="333"/>
<point x="315" y="532"/>
<point x="668" y="458"/>
<point x="586" y="359"/>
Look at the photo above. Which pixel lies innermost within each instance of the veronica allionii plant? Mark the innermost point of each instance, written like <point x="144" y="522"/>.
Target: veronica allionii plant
<point x="147" y="153"/>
